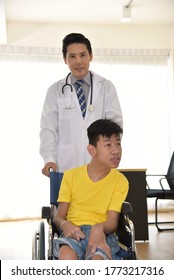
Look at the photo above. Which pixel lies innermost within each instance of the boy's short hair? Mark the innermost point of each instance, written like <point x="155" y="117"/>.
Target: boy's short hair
<point x="75" y="38"/>
<point x="103" y="127"/>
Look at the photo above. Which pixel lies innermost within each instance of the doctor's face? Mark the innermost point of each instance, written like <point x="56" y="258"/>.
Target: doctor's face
<point x="78" y="59"/>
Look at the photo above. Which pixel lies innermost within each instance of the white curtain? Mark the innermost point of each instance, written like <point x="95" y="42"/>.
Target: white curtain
<point x="144" y="86"/>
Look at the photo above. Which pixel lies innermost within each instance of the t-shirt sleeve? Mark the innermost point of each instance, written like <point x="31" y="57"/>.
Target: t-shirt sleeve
<point x="120" y="194"/>
<point x="65" y="188"/>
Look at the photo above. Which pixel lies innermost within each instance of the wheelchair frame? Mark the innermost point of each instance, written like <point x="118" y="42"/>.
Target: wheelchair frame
<point x="125" y="231"/>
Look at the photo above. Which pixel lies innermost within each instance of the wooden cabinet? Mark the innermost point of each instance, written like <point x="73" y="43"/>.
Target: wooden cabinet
<point x="138" y="199"/>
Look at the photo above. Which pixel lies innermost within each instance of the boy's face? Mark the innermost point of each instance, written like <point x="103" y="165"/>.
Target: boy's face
<point x="108" y="151"/>
<point x="78" y="59"/>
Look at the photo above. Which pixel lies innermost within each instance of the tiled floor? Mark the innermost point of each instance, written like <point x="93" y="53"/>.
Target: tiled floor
<point x="16" y="241"/>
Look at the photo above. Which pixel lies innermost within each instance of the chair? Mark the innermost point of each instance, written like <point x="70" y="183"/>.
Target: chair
<point x="162" y="192"/>
<point x="125" y="231"/>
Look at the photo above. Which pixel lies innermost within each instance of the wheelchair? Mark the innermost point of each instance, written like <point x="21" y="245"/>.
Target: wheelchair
<point x="43" y="250"/>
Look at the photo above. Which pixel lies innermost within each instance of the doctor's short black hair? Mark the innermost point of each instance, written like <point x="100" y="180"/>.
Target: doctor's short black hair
<point x="75" y="38"/>
<point x="102" y="127"/>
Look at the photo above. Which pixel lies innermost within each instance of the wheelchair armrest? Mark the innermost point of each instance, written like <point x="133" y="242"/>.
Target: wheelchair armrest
<point x="126" y="208"/>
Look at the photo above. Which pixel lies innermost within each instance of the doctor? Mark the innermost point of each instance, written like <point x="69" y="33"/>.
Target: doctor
<point x="63" y="135"/>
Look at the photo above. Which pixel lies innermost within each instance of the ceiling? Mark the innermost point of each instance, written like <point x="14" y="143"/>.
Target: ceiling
<point x="158" y="12"/>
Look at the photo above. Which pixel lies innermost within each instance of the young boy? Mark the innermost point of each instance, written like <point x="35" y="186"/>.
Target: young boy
<point x="91" y="197"/>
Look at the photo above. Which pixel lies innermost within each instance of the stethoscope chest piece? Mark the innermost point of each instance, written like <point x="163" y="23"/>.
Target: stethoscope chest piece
<point x="91" y="108"/>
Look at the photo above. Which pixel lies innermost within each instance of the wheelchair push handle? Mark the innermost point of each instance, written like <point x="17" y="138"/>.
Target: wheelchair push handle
<point x="51" y="169"/>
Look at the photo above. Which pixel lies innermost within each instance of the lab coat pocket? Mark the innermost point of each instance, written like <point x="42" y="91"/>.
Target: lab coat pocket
<point x="66" y="107"/>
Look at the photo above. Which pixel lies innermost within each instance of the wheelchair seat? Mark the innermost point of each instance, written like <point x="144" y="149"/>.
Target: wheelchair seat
<point x="125" y="231"/>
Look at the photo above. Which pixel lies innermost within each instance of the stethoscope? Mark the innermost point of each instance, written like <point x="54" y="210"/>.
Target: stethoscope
<point x="90" y="107"/>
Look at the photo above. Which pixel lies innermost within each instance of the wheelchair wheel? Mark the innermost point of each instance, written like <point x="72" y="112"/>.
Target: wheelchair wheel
<point x="38" y="243"/>
<point x="34" y="246"/>
<point x="41" y="242"/>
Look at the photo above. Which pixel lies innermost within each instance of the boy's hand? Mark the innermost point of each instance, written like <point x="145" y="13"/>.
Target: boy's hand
<point x="70" y="230"/>
<point x="97" y="239"/>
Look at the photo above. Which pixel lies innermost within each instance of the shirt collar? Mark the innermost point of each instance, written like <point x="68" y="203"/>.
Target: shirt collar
<point x="86" y="79"/>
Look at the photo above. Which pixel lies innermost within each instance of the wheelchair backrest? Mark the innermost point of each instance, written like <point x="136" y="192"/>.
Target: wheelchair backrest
<point x="55" y="182"/>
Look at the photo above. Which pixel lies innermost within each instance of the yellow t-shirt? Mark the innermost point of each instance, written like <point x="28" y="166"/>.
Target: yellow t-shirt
<point x="90" y="201"/>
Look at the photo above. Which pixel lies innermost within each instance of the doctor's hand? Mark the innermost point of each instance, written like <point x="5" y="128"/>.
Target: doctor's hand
<point x="47" y="167"/>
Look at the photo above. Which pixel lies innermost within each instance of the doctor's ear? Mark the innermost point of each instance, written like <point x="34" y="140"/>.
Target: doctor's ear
<point x="91" y="150"/>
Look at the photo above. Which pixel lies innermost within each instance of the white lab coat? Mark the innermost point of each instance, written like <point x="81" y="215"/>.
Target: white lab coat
<point x="63" y="132"/>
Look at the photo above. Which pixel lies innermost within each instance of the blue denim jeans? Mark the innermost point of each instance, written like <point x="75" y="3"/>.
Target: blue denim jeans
<point x="80" y="246"/>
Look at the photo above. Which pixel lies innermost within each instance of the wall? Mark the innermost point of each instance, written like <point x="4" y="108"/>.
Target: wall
<point x="101" y="36"/>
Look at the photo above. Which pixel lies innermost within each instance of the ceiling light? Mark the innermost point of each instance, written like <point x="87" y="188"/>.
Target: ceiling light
<point x="127" y="12"/>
